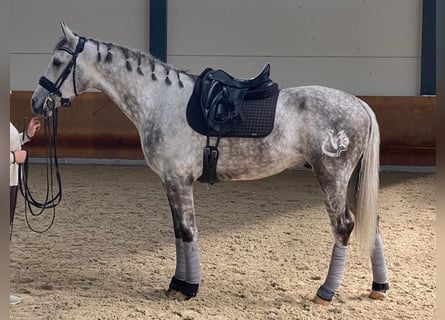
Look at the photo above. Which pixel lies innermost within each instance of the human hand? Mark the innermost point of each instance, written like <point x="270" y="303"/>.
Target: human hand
<point x="33" y="127"/>
<point x="20" y="156"/>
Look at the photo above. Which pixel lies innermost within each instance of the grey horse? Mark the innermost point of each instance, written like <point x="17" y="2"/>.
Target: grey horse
<point x="334" y="132"/>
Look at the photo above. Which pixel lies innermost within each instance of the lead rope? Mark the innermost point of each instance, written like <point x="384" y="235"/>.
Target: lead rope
<point x="52" y="171"/>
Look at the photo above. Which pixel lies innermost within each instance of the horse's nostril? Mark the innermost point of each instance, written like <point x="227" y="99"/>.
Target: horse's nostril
<point x="33" y="103"/>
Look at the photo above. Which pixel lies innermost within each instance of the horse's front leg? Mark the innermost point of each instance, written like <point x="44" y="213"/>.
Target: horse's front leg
<point x="184" y="284"/>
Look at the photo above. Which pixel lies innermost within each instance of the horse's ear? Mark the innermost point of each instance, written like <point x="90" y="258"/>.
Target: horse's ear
<point x="69" y="35"/>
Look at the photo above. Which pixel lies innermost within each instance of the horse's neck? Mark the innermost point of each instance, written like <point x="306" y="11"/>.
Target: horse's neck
<point x="139" y="96"/>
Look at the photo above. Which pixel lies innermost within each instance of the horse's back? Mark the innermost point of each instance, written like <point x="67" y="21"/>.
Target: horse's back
<point x="319" y="98"/>
<point x="318" y="107"/>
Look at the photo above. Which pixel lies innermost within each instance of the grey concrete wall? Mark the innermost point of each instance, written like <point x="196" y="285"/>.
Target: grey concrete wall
<point x="364" y="47"/>
<point x="35" y="30"/>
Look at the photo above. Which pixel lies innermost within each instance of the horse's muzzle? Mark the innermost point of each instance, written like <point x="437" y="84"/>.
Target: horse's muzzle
<point x="43" y="109"/>
<point x="36" y="109"/>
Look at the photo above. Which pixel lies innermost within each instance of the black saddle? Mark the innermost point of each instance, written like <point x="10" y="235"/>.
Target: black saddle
<point x="220" y="97"/>
<point x="224" y="106"/>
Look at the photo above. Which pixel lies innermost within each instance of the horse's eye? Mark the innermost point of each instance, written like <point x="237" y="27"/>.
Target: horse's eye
<point x="57" y="62"/>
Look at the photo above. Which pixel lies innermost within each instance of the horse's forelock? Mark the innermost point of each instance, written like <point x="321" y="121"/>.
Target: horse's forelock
<point x="61" y="43"/>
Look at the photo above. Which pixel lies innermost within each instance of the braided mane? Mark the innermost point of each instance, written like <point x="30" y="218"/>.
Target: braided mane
<point x="133" y="59"/>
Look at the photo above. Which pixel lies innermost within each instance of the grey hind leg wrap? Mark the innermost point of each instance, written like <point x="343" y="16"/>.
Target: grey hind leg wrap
<point x="180" y="260"/>
<point x="335" y="273"/>
<point x="192" y="264"/>
<point x="379" y="269"/>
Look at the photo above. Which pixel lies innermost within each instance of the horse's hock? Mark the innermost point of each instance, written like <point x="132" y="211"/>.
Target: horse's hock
<point x="100" y="130"/>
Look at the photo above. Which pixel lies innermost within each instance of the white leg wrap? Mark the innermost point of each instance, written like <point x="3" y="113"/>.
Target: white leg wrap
<point x="192" y="264"/>
<point x="335" y="273"/>
<point x="337" y="267"/>
<point x="379" y="270"/>
<point x="180" y="260"/>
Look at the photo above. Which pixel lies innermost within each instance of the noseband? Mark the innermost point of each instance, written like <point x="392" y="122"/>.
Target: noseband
<point x="54" y="87"/>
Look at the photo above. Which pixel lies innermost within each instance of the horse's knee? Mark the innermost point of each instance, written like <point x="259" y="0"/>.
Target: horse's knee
<point x="184" y="226"/>
<point x="343" y="228"/>
<point x="188" y="233"/>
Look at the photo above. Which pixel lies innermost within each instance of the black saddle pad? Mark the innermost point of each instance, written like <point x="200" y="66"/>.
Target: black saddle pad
<point x="257" y="115"/>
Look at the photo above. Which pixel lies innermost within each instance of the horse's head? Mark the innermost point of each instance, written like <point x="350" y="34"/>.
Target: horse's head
<point x="62" y="80"/>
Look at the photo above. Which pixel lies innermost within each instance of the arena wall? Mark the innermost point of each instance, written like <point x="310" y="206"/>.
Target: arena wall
<point x="94" y="127"/>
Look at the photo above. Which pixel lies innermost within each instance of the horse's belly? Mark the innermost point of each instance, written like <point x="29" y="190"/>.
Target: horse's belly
<point x="251" y="169"/>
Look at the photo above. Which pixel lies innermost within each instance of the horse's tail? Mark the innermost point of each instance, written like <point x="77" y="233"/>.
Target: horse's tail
<point x="368" y="187"/>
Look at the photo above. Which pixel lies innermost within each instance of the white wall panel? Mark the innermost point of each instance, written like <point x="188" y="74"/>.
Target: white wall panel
<point x="295" y="27"/>
<point x="391" y="77"/>
<point x="364" y="47"/>
<point x="367" y="47"/>
<point x="35" y="30"/>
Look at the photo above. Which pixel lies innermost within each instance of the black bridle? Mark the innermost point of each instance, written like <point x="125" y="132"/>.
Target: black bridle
<point x="52" y="197"/>
<point x="54" y="87"/>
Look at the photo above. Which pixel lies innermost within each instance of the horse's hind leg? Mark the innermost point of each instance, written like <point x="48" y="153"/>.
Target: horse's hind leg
<point x="378" y="262"/>
<point x="334" y="188"/>
<point x="185" y="283"/>
<point x="379" y="271"/>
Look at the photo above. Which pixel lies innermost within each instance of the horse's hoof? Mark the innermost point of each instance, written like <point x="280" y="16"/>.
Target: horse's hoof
<point x="320" y="301"/>
<point x="377" y="295"/>
<point x="182" y="297"/>
<point x="171" y="293"/>
<point x="176" y="295"/>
